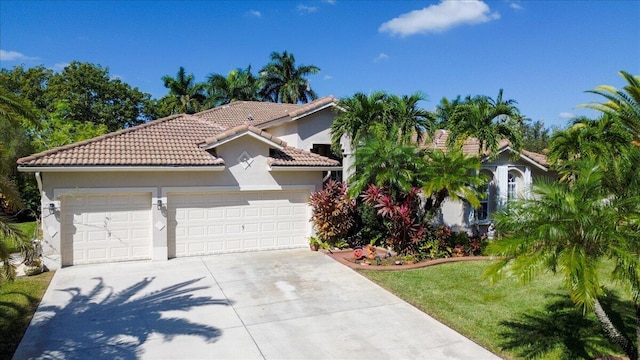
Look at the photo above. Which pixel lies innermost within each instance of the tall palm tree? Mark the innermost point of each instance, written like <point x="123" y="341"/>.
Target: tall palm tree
<point x="409" y="118"/>
<point x="187" y="95"/>
<point x="285" y="82"/>
<point x="570" y="228"/>
<point x="238" y="85"/>
<point x="355" y="117"/>
<point x="451" y="174"/>
<point x="488" y="120"/>
<point x="625" y="105"/>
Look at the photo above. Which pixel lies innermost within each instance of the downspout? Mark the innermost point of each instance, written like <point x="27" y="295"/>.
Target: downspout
<point x="39" y="181"/>
<point x="326" y="176"/>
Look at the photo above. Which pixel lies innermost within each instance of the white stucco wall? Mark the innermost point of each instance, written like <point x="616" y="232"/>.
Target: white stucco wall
<point x="233" y="177"/>
<point x="458" y="215"/>
<point x="306" y="131"/>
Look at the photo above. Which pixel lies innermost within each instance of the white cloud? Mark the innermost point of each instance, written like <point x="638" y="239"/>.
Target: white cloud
<point x="14" y="56"/>
<point x="327" y="77"/>
<point x="516" y="6"/>
<point x="381" y="57"/>
<point x="116" y="77"/>
<point x="440" y="17"/>
<point x="60" y="66"/>
<point x="332" y="2"/>
<point x="567" y="115"/>
<point x="254" y="13"/>
<point x="304" y="9"/>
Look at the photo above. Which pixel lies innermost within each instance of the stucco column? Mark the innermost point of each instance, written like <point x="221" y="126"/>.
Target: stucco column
<point x="348" y="160"/>
<point x="527" y="182"/>
<point x="502" y="180"/>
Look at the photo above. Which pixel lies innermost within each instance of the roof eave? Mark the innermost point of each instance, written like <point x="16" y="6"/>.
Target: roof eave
<point x="23" y="168"/>
<point x="522" y="156"/>
<point x="304" y="168"/>
<point x="239" y="135"/>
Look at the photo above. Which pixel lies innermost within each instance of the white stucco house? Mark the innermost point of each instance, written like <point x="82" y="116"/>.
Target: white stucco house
<point x="511" y="175"/>
<point x="233" y="178"/>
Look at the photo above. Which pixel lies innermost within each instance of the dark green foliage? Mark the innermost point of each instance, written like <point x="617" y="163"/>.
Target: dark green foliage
<point x="333" y="213"/>
<point x="285" y="82"/>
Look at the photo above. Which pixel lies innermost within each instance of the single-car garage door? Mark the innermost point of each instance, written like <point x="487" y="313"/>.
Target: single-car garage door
<point x="217" y="222"/>
<point x="105" y="228"/>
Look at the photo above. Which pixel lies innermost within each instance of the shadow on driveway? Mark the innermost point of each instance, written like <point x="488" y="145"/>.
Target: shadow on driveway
<point x="102" y="323"/>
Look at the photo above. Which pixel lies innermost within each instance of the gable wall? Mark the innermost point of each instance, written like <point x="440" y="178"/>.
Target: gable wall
<point x="306" y="131"/>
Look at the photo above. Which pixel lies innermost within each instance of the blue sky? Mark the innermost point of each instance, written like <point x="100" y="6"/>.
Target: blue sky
<point x="544" y="54"/>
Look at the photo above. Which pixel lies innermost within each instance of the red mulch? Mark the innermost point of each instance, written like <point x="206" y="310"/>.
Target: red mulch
<point x="346" y="257"/>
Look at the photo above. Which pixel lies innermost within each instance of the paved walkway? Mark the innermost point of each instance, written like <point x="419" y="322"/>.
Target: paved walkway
<point x="293" y="304"/>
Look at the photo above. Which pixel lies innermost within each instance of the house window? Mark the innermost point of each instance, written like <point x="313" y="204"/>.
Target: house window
<point x="325" y="150"/>
<point x="512" y="187"/>
<point x="483" y="209"/>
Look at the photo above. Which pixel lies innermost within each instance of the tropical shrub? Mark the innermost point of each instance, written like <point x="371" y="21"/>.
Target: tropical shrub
<point x="333" y="213"/>
<point x="402" y="217"/>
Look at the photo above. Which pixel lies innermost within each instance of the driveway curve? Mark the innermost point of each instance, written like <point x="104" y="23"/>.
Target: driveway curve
<point x="292" y="304"/>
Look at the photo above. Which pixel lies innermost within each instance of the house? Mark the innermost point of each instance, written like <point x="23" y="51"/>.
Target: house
<point x="511" y="175"/>
<point x="233" y="178"/>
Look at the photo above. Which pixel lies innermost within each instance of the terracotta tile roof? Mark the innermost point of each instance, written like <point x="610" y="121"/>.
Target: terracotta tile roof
<point x="257" y="113"/>
<point x="539" y="158"/>
<point x="290" y="156"/>
<point x="211" y="141"/>
<point x="177" y="140"/>
<point x="171" y="141"/>
<point x="472" y="145"/>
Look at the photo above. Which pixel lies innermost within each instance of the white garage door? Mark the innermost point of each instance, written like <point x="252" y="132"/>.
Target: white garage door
<point x="209" y="223"/>
<point x="105" y="227"/>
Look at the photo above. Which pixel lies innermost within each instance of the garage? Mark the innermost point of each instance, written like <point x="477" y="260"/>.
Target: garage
<point x="108" y="227"/>
<point x="219" y="222"/>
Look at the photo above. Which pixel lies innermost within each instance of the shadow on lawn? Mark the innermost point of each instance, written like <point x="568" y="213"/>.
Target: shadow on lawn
<point x="562" y="327"/>
<point x="104" y="324"/>
<point x="13" y="322"/>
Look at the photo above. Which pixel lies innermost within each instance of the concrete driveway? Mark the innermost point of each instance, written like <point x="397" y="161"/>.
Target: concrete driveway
<point x="293" y="304"/>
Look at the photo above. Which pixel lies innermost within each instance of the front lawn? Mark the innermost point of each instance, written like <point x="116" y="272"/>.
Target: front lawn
<point x="18" y="302"/>
<point x="514" y="321"/>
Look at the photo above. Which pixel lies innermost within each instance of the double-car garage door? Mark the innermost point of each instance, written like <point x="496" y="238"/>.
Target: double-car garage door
<point x="209" y="223"/>
<point x="118" y="227"/>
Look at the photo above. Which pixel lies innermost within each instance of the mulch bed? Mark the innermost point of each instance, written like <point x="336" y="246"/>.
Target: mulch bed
<point x="346" y="257"/>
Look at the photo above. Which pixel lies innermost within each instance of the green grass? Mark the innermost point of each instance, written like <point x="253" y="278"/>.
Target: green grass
<point x="514" y="321"/>
<point x="27" y="228"/>
<point x="18" y="302"/>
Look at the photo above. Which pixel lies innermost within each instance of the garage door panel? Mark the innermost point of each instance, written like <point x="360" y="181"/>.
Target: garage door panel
<point x="237" y="221"/>
<point x="105" y="228"/>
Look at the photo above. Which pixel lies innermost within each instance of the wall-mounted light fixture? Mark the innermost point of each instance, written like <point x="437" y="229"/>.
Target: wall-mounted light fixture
<point x="52" y="208"/>
<point x="159" y="204"/>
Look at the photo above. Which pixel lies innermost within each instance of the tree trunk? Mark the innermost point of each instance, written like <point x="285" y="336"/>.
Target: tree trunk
<point x="613" y="333"/>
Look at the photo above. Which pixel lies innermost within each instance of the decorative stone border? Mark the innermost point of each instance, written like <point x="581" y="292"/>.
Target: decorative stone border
<point x="342" y="256"/>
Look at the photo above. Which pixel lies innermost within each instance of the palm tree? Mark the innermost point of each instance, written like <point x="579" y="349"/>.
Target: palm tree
<point x="570" y="228"/>
<point x="625" y="105"/>
<point x="488" y="120"/>
<point x="238" y="85"/>
<point x="12" y="110"/>
<point x="384" y="162"/>
<point x="598" y="139"/>
<point x="451" y="174"/>
<point x="187" y="95"/>
<point x="409" y="118"/>
<point x="285" y="82"/>
<point x="355" y="117"/>
<point x="445" y="110"/>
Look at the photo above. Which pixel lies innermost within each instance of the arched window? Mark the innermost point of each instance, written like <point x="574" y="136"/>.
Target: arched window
<point x="515" y="184"/>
